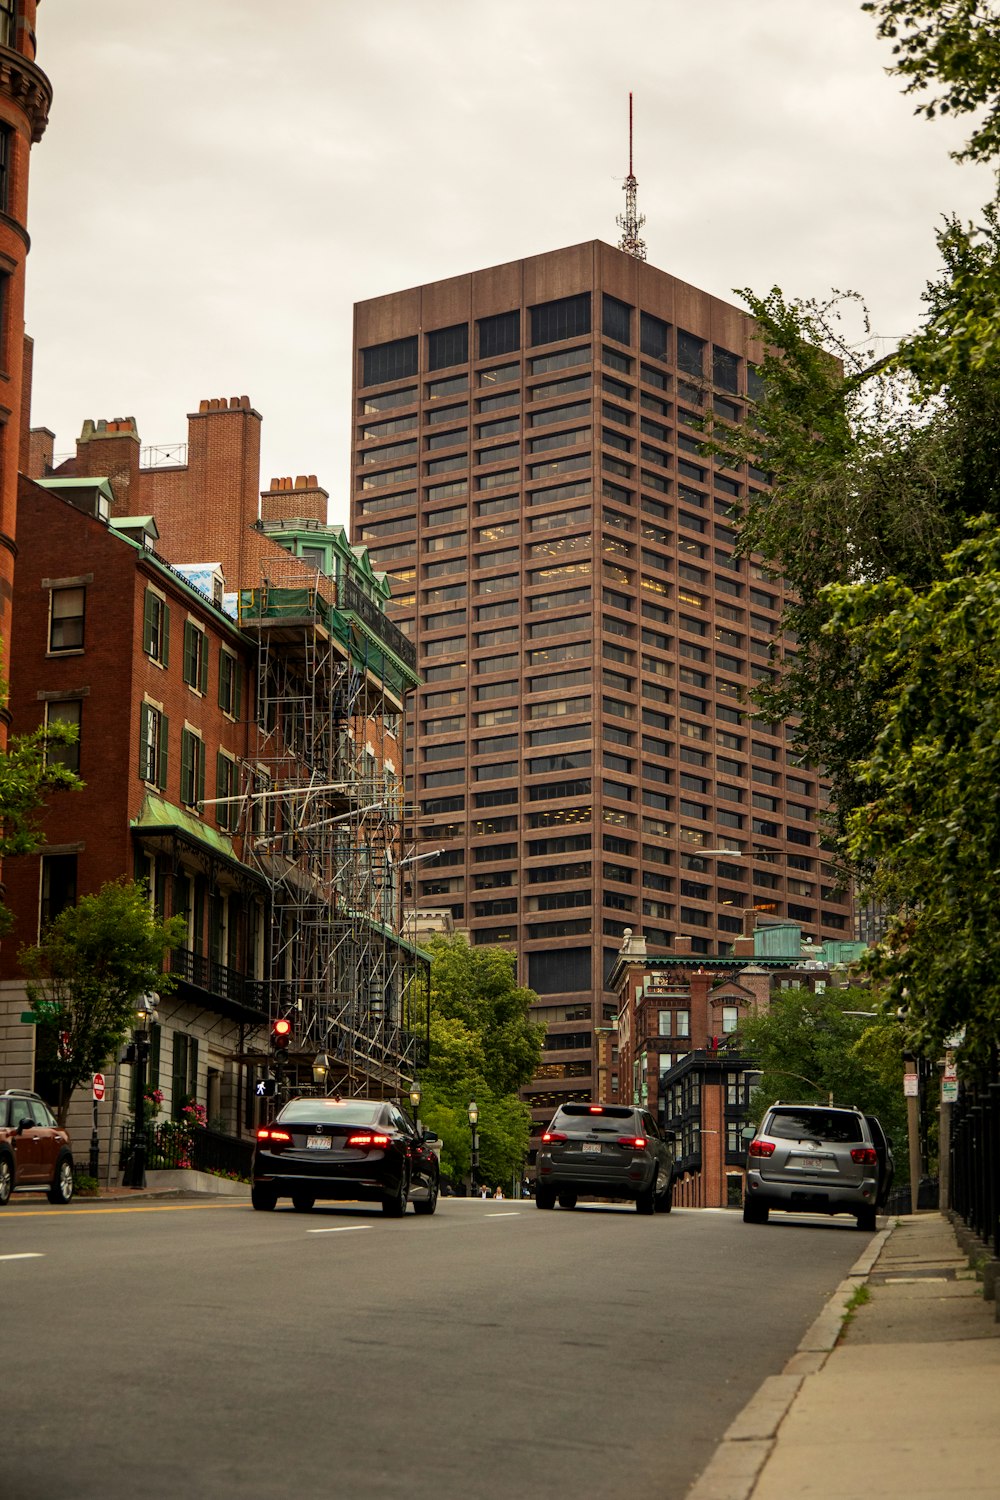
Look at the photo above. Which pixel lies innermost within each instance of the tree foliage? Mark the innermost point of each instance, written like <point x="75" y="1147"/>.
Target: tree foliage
<point x="484" y="1046"/>
<point x="808" y="1048"/>
<point x="951" y="47"/>
<point x="86" y="976"/>
<point x="28" y="771"/>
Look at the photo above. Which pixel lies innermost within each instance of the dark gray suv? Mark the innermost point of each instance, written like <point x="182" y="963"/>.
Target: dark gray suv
<point x="606" y="1151"/>
<point x="810" y="1158"/>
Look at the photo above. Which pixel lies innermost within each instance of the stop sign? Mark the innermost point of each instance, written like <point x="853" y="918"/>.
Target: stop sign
<point x="98" y="1086"/>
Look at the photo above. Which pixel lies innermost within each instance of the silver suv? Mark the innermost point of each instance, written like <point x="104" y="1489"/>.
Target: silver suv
<point x="809" y="1158"/>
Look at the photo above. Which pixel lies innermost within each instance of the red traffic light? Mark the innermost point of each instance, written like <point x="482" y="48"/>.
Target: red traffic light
<point x="281" y="1035"/>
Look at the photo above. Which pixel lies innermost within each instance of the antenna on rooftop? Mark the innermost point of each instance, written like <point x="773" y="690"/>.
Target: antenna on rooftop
<point x="630" y="222"/>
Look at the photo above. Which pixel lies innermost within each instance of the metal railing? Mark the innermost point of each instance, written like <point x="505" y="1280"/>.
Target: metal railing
<point x="975" y="1159"/>
<point x="219" y="979"/>
<point x="173" y="1144"/>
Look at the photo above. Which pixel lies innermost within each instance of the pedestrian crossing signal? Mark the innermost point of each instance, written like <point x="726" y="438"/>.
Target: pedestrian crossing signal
<point x="281" y="1035"/>
<point x="267" y="1088"/>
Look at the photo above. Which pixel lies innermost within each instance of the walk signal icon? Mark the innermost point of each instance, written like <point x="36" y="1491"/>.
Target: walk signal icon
<point x="267" y="1088"/>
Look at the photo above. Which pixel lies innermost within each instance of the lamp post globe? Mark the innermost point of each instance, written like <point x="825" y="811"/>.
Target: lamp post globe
<point x="415" y="1097"/>
<point x="474" y="1159"/>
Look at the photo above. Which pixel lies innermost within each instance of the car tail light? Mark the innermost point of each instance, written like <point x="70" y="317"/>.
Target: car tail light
<point x="267" y="1134"/>
<point x="866" y="1155"/>
<point x="554" y="1138"/>
<point x="633" y="1142"/>
<point x="761" y="1148"/>
<point x="367" y="1138"/>
<point x="596" y="1109"/>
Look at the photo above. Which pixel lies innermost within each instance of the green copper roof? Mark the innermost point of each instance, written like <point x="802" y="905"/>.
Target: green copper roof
<point x="159" y="814"/>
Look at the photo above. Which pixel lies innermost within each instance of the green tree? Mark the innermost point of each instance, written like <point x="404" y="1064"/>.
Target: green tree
<point x="29" y="769"/>
<point x="929" y="831"/>
<point x="484" y="1046"/>
<point x="86" y="976"/>
<point x="808" y="1048"/>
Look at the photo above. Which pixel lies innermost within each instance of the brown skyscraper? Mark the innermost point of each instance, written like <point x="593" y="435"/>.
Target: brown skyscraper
<point x="527" y="468"/>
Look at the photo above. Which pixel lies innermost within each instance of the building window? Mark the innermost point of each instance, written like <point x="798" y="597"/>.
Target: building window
<point x="730" y="1019"/>
<point x="499" y="335"/>
<point x="66" y="612"/>
<point x="226" y="787"/>
<point x="690" y="353"/>
<point x="6" y="144"/>
<point x="184" y="1080"/>
<point x="195" y="657"/>
<point x="652" y="337"/>
<point x="665" y="1018"/>
<point x="8" y="23"/>
<point x="58" y="886"/>
<point x="392" y="361"/>
<point x="616" y="320"/>
<point x="59" y="753"/>
<point x="192" y="768"/>
<point x="448" y="346"/>
<point x="682" y="1023"/>
<point x="152" y="745"/>
<point x="156" y="628"/>
<point x="566" y="318"/>
<point x="230" y="684"/>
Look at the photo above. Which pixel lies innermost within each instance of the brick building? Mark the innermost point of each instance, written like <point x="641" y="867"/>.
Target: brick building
<point x="677" y="1037"/>
<point x="25" y="98"/>
<point x="528" y="469"/>
<point x="239" y="699"/>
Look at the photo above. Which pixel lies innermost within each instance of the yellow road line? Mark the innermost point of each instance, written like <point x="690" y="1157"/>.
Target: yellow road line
<point x="75" y="1213"/>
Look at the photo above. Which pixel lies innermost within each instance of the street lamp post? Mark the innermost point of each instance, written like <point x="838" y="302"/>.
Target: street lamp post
<point x="320" y="1068"/>
<point x="415" y="1098"/>
<point x="138" y="1053"/>
<point x="474" y="1162"/>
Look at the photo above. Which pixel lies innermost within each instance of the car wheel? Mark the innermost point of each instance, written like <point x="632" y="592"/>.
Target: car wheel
<point x="646" y="1201"/>
<point x="303" y="1202"/>
<point x="429" y="1204"/>
<point x="395" y="1205"/>
<point x="567" y="1200"/>
<point x="263" y="1197"/>
<point x="545" y="1197"/>
<point x="61" y="1188"/>
<point x="665" y="1201"/>
<point x="754" y="1212"/>
<point x="867" y="1220"/>
<point x="6" y="1178"/>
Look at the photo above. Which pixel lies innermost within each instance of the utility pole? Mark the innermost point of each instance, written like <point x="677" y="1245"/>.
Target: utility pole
<point x="911" y="1087"/>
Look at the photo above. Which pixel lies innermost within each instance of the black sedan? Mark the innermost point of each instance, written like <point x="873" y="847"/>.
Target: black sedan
<point x="345" y="1149"/>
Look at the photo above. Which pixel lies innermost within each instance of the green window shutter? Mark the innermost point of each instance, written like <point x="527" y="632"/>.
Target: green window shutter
<point x="225" y="681"/>
<point x="193" y="1067"/>
<point x="200" y="759"/>
<point x="149" y="604"/>
<point x="144" y="713"/>
<point x="165" y="658"/>
<point x="164" y="736"/>
<point x="189" y="662"/>
<point x="222" y="809"/>
<point x="237" y="689"/>
<point x="187" y="766"/>
<point x="153" y="1066"/>
<point x="204" y="662"/>
<point x="178" y="1074"/>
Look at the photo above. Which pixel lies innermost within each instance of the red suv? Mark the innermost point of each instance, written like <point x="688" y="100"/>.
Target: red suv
<point x="35" y="1152"/>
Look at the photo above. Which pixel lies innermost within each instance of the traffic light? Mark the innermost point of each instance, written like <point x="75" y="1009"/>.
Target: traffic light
<point x="281" y="1035"/>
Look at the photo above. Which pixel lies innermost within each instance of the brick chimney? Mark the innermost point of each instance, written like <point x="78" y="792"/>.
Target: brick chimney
<point x="301" y="499"/>
<point x="110" y="450"/>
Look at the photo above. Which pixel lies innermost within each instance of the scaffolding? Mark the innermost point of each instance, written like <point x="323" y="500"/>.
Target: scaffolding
<point x="321" y="821"/>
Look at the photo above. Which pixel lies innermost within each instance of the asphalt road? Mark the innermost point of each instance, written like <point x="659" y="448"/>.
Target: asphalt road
<point x="194" y="1348"/>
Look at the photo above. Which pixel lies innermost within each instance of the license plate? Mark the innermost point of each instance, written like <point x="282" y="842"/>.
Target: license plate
<point x="319" y="1143"/>
<point x="591" y="1146"/>
<point x="816" y="1163"/>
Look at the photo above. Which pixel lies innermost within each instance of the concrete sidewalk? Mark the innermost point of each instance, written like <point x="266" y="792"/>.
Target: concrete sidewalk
<point x="901" y="1399"/>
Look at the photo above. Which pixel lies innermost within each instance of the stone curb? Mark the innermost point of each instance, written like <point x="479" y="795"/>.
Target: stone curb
<point x="735" y="1466"/>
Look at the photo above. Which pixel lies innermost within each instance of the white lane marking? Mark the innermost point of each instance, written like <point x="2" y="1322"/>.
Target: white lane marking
<point x="25" y="1255"/>
<point x="340" y="1229"/>
<point x="510" y="1213"/>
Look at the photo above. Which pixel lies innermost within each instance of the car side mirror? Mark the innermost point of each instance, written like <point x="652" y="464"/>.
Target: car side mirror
<point x="430" y="1137"/>
<point x="670" y="1135"/>
<point x="888" y="1142"/>
<point x="22" y="1126"/>
<point x="747" y="1133"/>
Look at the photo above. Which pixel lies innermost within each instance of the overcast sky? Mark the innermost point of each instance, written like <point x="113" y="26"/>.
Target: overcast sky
<point x="221" y="180"/>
